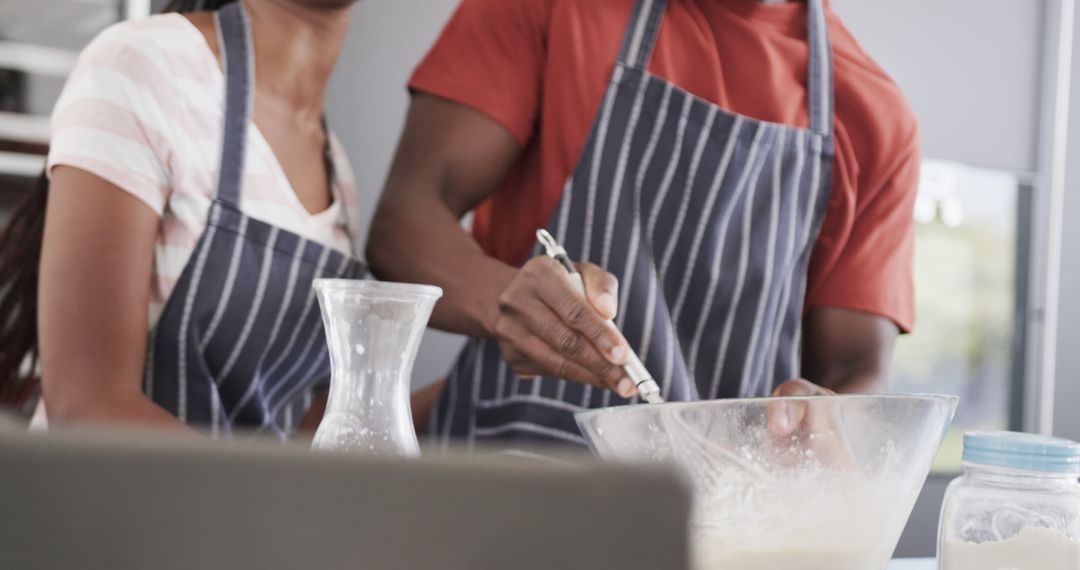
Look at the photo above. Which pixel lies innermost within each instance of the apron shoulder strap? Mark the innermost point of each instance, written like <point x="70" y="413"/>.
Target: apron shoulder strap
<point x="820" y="80"/>
<point x="639" y="39"/>
<point x="234" y="37"/>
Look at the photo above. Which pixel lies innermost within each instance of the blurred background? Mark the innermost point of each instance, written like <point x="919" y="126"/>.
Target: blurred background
<point x="998" y="255"/>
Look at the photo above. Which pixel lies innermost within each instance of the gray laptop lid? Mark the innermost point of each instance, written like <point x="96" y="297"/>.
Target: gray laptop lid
<point x="121" y="502"/>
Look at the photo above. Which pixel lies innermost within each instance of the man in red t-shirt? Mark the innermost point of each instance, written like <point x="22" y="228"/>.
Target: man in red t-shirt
<point x="740" y="174"/>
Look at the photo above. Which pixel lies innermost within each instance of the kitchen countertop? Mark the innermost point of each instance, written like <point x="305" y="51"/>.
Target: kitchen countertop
<point x="914" y="564"/>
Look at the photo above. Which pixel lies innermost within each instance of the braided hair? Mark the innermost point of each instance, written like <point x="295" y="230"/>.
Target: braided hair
<point x="20" y="255"/>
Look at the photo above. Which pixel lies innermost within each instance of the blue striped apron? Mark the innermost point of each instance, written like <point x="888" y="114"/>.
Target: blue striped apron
<point x="707" y="218"/>
<point x="240" y="342"/>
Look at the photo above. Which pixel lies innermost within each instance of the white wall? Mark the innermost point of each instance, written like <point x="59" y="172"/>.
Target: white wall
<point x="366" y="103"/>
<point x="971" y="69"/>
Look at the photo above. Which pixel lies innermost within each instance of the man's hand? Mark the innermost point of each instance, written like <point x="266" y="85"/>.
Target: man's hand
<point x="546" y="328"/>
<point x="785" y="417"/>
<point x="811" y="425"/>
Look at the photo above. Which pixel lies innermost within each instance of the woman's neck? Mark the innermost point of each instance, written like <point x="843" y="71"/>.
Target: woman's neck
<point x="296" y="47"/>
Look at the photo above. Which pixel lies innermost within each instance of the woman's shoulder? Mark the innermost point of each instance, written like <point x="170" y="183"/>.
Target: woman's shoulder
<point x="131" y="108"/>
<point x="156" y="67"/>
<point x="168" y="40"/>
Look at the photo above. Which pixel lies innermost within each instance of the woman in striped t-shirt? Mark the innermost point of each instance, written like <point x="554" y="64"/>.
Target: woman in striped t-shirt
<point x="193" y="199"/>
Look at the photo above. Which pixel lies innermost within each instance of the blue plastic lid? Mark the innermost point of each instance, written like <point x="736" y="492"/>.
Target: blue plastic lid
<point x="1024" y="451"/>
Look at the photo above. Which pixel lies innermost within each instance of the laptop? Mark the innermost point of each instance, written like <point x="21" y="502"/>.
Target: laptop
<point x="116" y="501"/>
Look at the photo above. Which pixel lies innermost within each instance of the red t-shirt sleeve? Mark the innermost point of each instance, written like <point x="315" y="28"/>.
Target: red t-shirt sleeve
<point x="873" y="273"/>
<point x="490" y="57"/>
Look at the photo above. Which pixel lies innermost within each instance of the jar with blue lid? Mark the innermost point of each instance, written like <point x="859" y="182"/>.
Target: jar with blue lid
<point x="1016" y="506"/>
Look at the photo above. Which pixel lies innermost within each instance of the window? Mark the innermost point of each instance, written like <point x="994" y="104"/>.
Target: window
<point x="970" y="280"/>
<point x="39" y="44"/>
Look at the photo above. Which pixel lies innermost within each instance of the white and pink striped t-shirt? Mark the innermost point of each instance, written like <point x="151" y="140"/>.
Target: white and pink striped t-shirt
<point x="144" y="109"/>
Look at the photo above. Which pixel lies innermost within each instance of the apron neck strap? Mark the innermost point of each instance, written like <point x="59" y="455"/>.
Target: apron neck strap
<point x="237" y="48"/>
<point x="641" y="34"/>
<point x="820" y="80"/>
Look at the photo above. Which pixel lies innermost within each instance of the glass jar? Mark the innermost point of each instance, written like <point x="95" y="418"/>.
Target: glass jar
<point x="1016" y="506"/>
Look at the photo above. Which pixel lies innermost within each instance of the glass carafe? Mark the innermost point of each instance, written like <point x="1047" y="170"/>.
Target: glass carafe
<point x="373" y="330"/>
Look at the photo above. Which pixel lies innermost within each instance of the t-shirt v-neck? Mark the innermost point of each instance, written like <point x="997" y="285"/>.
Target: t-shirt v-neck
<point x="256" y="135"/>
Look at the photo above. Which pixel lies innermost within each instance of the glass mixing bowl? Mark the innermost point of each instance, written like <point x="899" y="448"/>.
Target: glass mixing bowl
<point x="814" y="483"/>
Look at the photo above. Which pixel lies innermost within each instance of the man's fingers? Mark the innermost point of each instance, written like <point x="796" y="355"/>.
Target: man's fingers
<point x="535" y="356"/>
<point x="540" y="321"/>
<point x="523" y="367"/>
<point x="547" y="321"/>
<point x="784" y="417"/>
<point x="579" y="315"/>
<point x="601" y="289"/>
<point x="800" y="387"/>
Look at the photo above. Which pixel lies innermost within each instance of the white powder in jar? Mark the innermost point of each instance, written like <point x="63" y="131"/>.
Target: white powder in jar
<point x="1031" y="549"/>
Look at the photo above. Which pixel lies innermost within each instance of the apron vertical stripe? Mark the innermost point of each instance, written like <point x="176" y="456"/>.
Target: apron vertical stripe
<point x="703" y="223"/>
<point x="215" y="411"/>
<point x="288" y="400"/>
<point x="626" y="283"/>
<point x="672" y="168"/>
<point x="286" y="302"/>
<point x="718" y="256"/>
<point x="148" y="368"/>
<point x="312" y="337"/>
<point x="226" y="292"/>
<point x="740" y="281"/>
<point x="820" y="83"/>
<point x="590" y="199"/>
<point x="684" y="198"/>
<point x="480" y="357"/>
<point x="640" y="21"/>
<point x="560" y="390"/>
<point x="500" y="385"/>
<point x="654" y="214"/>
<point x="807" y="226"/>
<point x="309" y="303"/>
<point x="560" y="234"/>
<point x="185" y="321"/>
<point x="597" y="162"/>
<point x="813" y="189"/>
<point x="621" y="168"/>
<point x="452" y="392"/>
<point x="770" y="259"/>
<point x="253" y="312"/>
<point x="789" y="254"/>
<point x="620" y="171"/>
<point x="677" y="227"/>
